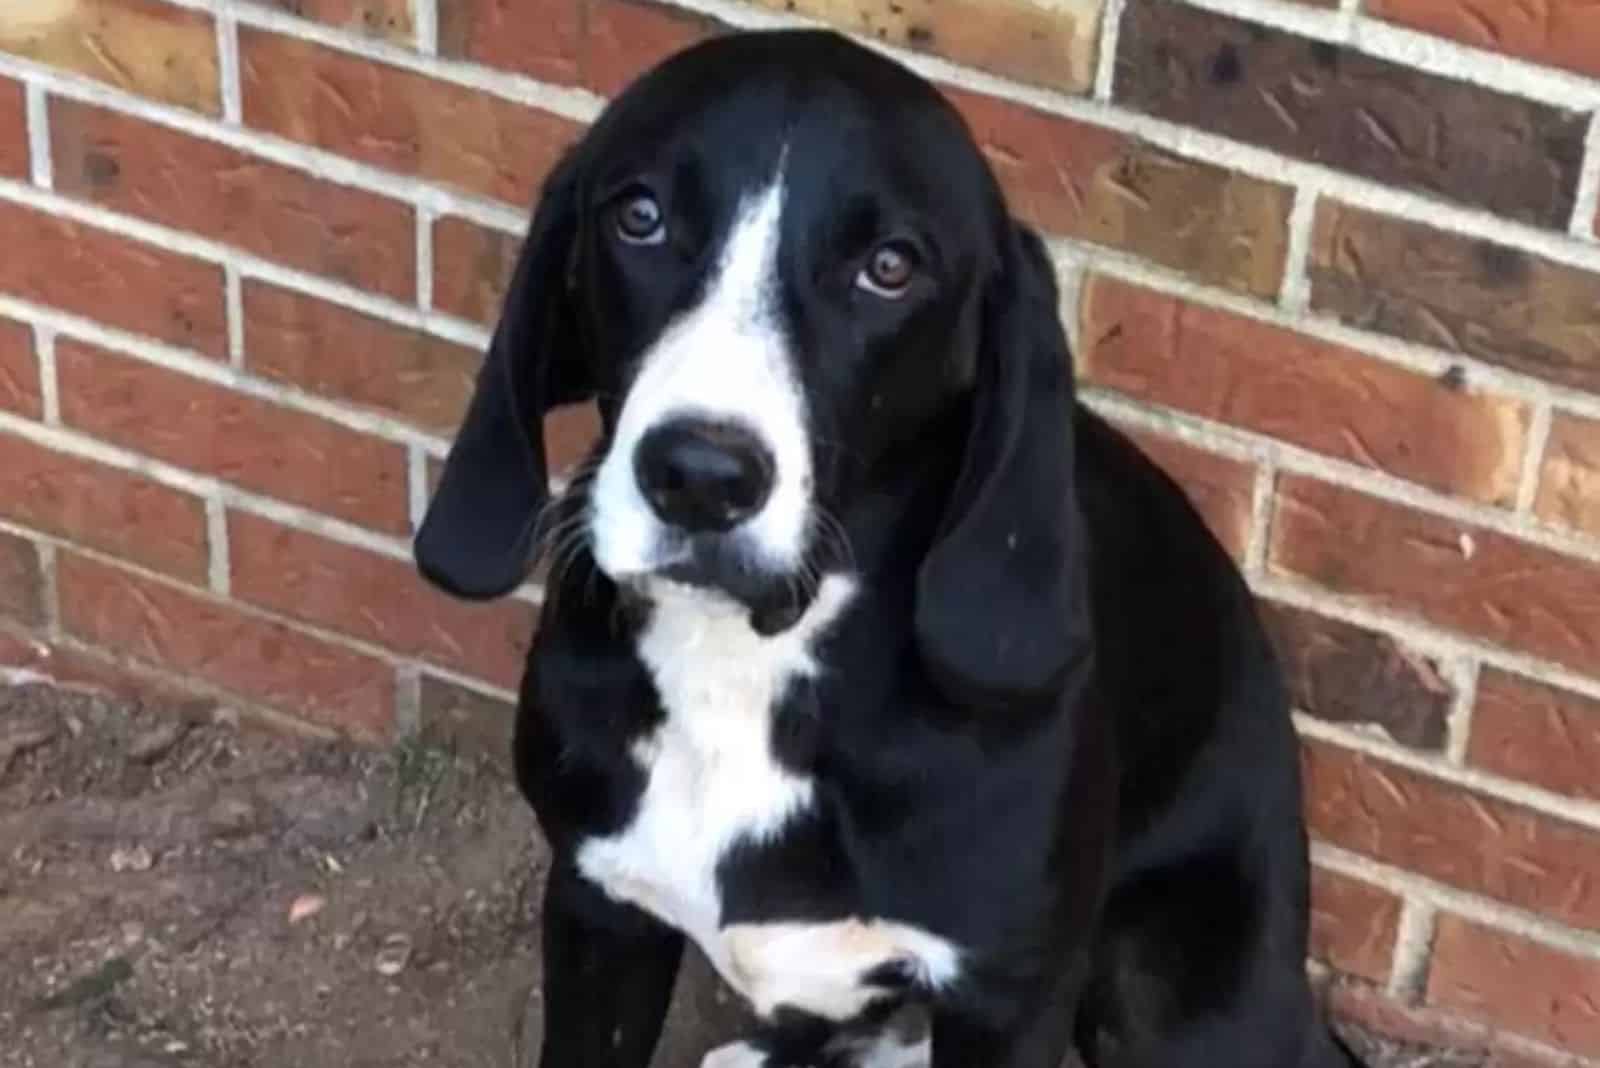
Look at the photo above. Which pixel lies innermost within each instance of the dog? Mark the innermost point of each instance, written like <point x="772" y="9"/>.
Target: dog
<point x="870" y="661"/>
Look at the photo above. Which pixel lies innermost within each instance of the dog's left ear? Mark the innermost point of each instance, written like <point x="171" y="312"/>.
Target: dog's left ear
<point x="1000" y="600"/>
<point x="478" y="538"/>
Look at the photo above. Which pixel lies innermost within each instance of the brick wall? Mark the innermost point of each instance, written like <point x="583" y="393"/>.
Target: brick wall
<point x="1335" y="263"/>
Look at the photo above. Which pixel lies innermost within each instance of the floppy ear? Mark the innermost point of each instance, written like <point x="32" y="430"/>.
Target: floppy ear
<point x="1002" y="607"/>
<point x="478" y="538"/>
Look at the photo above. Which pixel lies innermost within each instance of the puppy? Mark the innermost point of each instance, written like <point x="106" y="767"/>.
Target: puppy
<point x="869" y="661"/>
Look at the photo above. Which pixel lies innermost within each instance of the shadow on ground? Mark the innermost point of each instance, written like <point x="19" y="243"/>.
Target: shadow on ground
<point x="176" y="891"/>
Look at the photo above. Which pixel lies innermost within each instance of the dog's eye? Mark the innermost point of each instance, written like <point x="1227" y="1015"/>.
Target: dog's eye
<point x="889" y="270"/>
<point x="639" y="220"/>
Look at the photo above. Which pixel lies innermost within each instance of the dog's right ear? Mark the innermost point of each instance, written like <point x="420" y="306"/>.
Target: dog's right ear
<point x="479" y="536"/>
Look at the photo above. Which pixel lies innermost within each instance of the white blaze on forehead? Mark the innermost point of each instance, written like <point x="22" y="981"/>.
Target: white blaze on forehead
<point x="726" y="358"/>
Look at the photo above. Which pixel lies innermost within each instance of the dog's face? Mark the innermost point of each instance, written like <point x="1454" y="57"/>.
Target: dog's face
<point x="783" y="248"/>
<point x="777" y="261"/>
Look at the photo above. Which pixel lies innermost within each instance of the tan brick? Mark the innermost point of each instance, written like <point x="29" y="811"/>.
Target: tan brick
<point x="152" y="49"/>
<point x="472" y="267"/>
<point x="1520" y="985"/>
<point x="1351" y="111"/>
<point x="1095" y="184"/>
<point x="1053" y="43"/>
<point x="21" y="581"/>
<point x="1476" y="581"/>
<point x="1346" y="674"/>
<point x="122" y="283"/>
<point x="349" y="356"/>
<point x="624" y="38"/>
<point x="1556" y="33"/>
<point x="1457" y="293"/>
<point x="252" y="443"/>
<point x="1322" y="396"/>
<point x="1220" y="488"/>
<point x="540" y="38"/>
<point x="388" y="20"/>
<point x="1354" y="924"/>
<point x="396" y="119"/>
<point x="1569" y="475"/>
<point x="466" y="722"/>
<point x="19" y="371"/>
<point x="375" y="598"/>
<point x="258" y="659"/>
<point x="103" y="508"/>
<point x="1468" y="840"/>
<point x="275" y="212"/>
<point x="1537" y="734"/>
<point x="14" y="154"/>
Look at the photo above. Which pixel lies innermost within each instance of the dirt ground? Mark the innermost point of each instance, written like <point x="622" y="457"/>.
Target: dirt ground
<point x="177" y="891"/>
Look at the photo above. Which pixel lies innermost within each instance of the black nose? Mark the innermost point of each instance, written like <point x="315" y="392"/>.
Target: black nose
<point x="703" y="476"/>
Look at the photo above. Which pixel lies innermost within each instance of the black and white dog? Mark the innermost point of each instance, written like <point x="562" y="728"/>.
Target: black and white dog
<point x="869" y="661"/>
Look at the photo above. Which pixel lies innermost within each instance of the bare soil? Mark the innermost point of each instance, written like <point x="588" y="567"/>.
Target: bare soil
<point x="178" y="891"/>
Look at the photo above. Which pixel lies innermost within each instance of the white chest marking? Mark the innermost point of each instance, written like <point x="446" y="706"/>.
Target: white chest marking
<point x="713" y="783"/>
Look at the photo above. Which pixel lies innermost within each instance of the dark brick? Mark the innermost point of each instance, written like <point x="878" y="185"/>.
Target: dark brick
<point x="466" y="721"/>
<point x="21" y="582"/>
<point x="1346" y="674"/>
<point x="1459" y="293"/>
<point x="1380" y="120"/>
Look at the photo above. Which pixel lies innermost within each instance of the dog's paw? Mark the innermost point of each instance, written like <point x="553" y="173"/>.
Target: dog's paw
<point x="735" y="1055"/>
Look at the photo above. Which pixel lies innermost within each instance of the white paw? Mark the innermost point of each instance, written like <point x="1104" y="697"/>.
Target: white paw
<point x="734" y="1055"/>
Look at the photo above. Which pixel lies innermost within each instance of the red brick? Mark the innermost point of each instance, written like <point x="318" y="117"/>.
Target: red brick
<point x="1477" y="581"/>
<point x="1459" y="293"/>
<point x="1092" y="183"/>
<point x="21" y="581"/>
<point x="389" y="20"/>
<point x="13" y="130"/>
<point x="258" y="659"/>
<point x="397" y="119"/>
<point x="252" y="443"/>
<point x="375" y="598"/>
<point x="1536" y="733"/>
<point x="1535" y="990"/>
<point x="472" y="267"/>
<point x="1346" y="674"/>
<point x="275" y="212"/>
<point x="1354" y="924"/>
<point x="1220" y="488"/>
<point x="102" y="507"/>
<point x="1468" y="840"/>
<point x="1340" y="107"/>
<point x="122" y="283"/>
<point x="1053" y="44"/>
<point x="624" y="38"/>
<point x="349" y="356"/>
<point x="540" y="38"/>
<point x="145" y="47"/>
<point x="1311" y="393"/>
<point x="1556" y="33"/>
<point x="1569" y="474"/>
<point x="19" y="371"/>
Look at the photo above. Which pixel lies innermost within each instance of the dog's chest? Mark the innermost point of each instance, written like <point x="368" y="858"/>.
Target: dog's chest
<point x="712" y="784"/>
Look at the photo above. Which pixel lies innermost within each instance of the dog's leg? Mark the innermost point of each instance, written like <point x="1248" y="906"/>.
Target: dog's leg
<point x="609" y="971"/>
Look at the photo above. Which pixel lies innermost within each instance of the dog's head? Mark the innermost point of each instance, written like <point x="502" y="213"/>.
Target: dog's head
<point x="779" y="263"/>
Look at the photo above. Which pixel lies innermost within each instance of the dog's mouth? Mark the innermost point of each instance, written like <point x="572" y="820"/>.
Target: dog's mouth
<point x="717" y="565"/>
